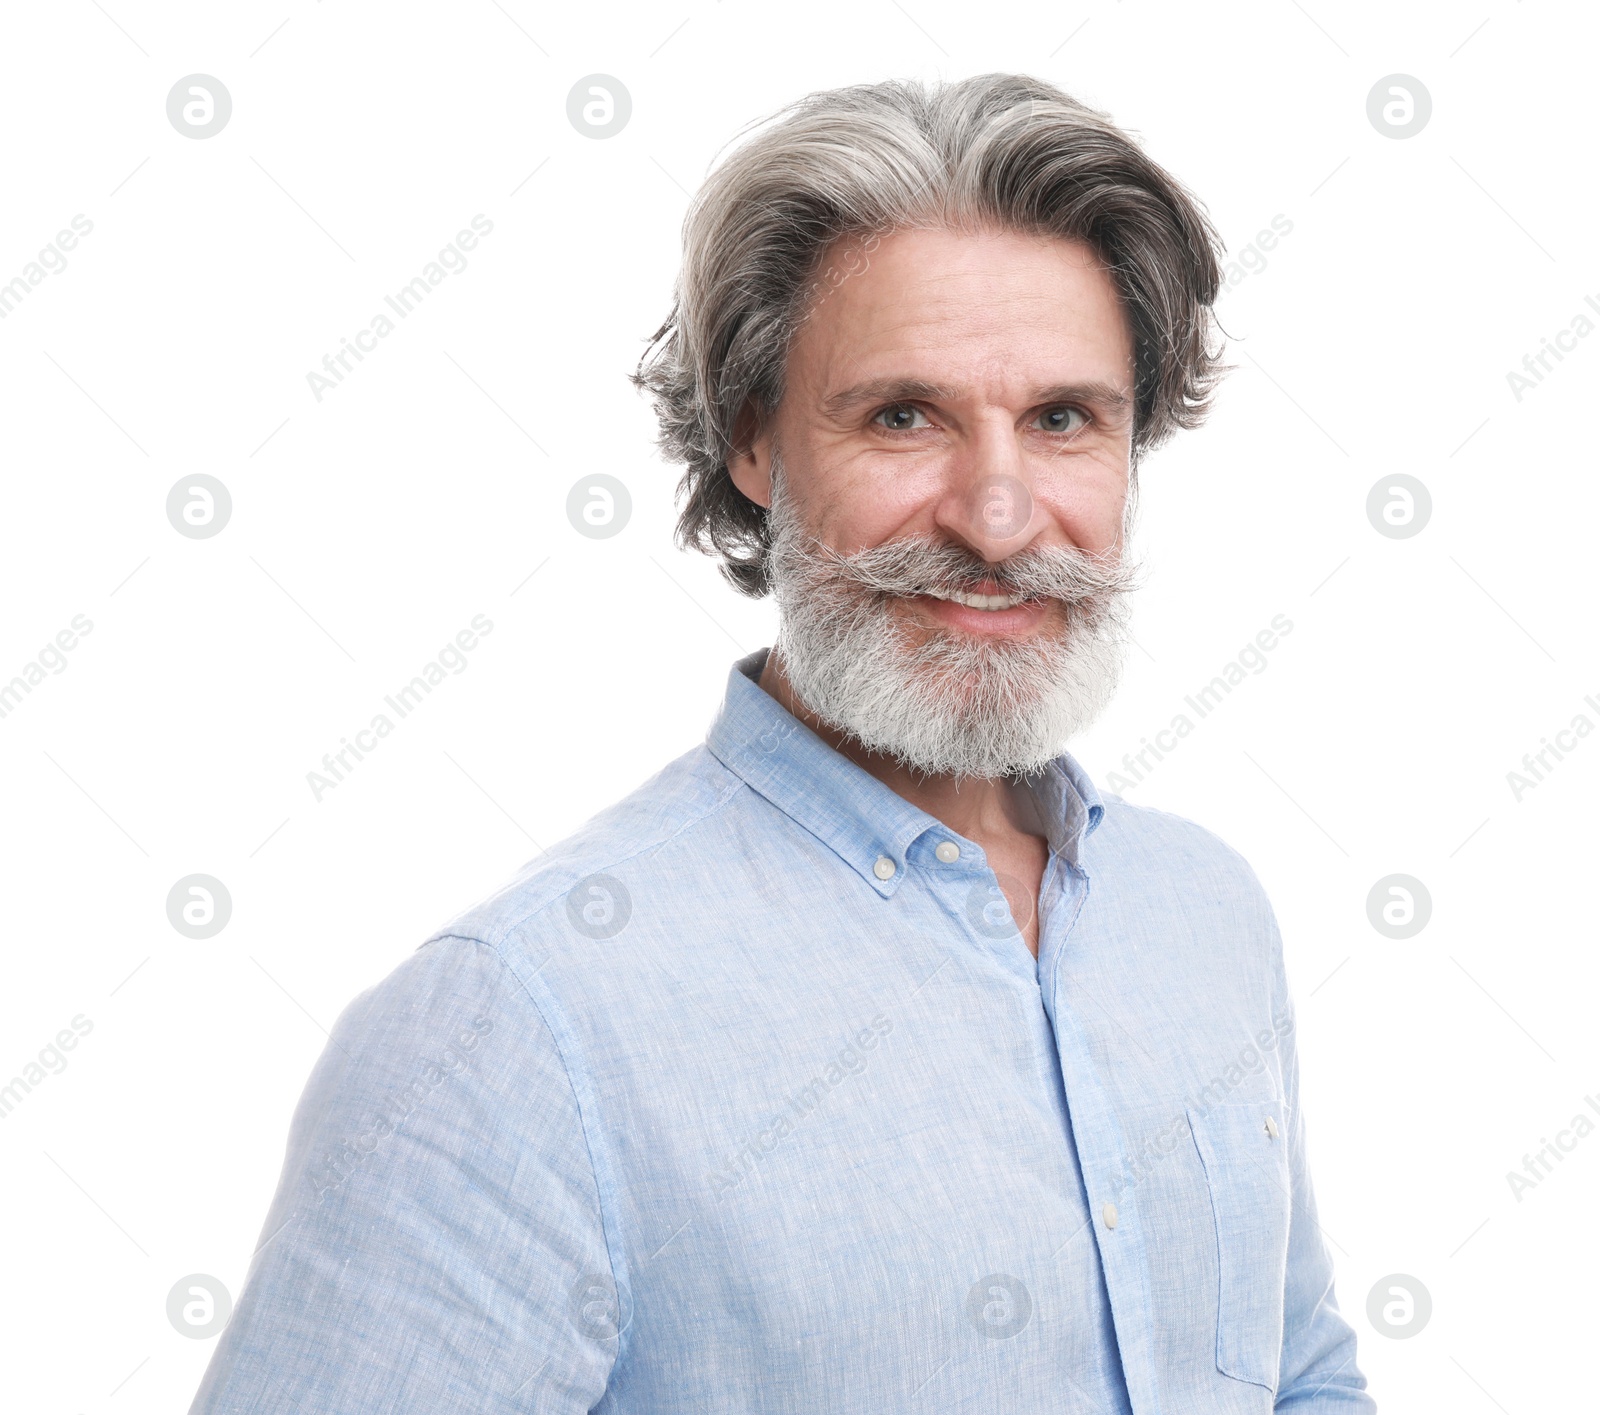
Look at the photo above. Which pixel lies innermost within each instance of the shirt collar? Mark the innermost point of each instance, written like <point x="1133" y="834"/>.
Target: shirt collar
<point x="848" y="808"/>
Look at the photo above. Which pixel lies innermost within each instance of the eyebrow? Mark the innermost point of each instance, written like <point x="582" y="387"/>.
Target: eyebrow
<point x="916" y="390"/>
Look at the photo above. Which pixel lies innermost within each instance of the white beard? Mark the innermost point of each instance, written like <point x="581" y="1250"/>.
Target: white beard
<point x="939" y="700"/>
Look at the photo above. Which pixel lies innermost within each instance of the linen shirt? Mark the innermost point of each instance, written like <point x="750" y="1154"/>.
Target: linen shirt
<point x="749" y="1097"/>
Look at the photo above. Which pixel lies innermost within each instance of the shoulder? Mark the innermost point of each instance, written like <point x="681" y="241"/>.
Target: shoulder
<point x="1136" y="829"/>
<point x="1161" y="850"/>
<point x="642" y="837"/>
<point x="523" y="955"/>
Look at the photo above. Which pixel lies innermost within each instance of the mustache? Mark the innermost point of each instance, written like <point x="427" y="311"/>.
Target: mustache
<point x="924" y="564"/>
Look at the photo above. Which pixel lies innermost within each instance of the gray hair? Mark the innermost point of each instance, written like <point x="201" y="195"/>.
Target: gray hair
<point x="998" y="149"/>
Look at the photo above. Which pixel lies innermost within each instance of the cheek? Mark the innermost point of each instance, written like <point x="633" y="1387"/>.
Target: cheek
<point x="856" y="519"/>
<point x="865" y="500"/>
<point x="1090" y="505"/>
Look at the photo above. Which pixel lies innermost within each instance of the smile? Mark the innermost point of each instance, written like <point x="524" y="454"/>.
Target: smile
<point x="982" y="601"/>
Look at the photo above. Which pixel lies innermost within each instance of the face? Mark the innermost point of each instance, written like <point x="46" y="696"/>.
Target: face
<point x="947" y="475"/>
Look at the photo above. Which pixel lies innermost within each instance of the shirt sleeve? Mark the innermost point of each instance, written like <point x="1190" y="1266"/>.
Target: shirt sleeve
<point x="1317" y="1370"/>
<point x="436" y="1243"/>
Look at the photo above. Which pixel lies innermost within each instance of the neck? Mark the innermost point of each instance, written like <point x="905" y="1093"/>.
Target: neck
<point x="980" y="808"/>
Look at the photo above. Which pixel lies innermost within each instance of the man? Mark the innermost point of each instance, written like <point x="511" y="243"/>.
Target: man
<point x="865" y="1058"/>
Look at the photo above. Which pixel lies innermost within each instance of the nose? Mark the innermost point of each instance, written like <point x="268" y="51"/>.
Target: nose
<point x="987" y="503"/>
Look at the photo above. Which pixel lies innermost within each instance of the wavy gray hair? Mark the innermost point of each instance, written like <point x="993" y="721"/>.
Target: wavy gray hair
<point x="858" y="162"/>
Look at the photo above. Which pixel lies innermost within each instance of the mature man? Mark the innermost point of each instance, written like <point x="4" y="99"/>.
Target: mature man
<point x="865" y="1058"/>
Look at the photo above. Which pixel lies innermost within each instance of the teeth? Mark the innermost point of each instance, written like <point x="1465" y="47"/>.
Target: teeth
<point x="983" y="601"/>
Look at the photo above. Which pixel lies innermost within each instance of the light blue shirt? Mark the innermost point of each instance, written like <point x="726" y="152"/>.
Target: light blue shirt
<point x="750" y="1098"/>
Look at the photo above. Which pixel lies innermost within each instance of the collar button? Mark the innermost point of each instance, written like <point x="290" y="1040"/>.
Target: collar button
<point x="884" y="868"/>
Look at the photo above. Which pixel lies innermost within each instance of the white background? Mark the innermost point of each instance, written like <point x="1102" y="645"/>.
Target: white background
<point x="369" y="527"/>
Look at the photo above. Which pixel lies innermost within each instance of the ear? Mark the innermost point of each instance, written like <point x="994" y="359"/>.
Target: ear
<point x="750" y="462"/>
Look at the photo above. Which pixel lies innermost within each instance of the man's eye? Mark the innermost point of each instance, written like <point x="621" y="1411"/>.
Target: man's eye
<point x="900" y="417"/>
<point x="1061" y="418"/>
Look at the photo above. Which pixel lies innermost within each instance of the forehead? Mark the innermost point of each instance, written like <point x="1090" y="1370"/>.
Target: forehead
<point x="996" y="308"/>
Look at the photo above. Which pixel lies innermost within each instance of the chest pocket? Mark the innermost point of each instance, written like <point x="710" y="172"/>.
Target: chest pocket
<point x="1244" y="1148"/>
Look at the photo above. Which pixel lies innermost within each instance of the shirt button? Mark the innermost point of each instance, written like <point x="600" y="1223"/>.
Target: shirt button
<point x="1272" y="1128"/>
<point x="884" y="869"/>
<point x="1109" y="1214"/>
<point x="948" y="851"/>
